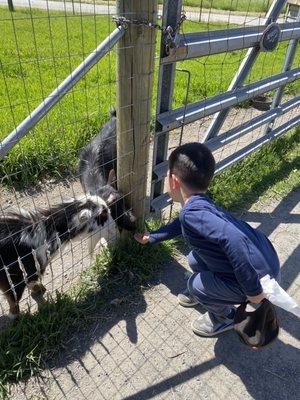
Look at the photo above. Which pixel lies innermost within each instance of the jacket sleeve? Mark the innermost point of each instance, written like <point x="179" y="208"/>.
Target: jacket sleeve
<point x="166" y="232"/>
<point x="238" y="248"/>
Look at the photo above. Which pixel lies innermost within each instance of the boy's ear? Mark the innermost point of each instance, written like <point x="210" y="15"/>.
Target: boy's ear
<point x="175" y="181"/>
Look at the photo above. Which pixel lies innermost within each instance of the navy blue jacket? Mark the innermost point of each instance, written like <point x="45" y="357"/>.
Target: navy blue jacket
<point x="228" y="246"/>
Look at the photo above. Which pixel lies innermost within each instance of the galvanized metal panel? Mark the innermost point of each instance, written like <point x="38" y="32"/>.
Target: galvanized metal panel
<point x="165" y="200"/>
<point x="175" y="118"/>
<point x="244" y="70"/>
<point x="171" y="16"/>
<point x="246" y="151"/>
<point x="193" y="45"/>
<point x="289" y="58"/>
<point x="160" y="171"/>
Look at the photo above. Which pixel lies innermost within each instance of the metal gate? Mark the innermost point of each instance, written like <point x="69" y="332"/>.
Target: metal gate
<point x="178" y="47"/>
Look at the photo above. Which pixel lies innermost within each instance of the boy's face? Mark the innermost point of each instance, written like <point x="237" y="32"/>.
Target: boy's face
<point x="173" y="187"/>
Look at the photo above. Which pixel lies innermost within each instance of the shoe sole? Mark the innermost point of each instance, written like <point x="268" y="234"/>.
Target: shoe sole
<point x="187" y="305"/>
<point x="206" y="334"/>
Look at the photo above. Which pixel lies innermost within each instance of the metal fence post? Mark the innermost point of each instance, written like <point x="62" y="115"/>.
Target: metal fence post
<point x="171" y="17"/>
<point x="243" y="70"/>
<point x="135" y="67"/>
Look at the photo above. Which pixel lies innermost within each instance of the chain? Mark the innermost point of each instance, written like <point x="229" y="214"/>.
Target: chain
<point x="168" y="31"/>
<point x="122" y="21"/>
<point x="181" y="21"/>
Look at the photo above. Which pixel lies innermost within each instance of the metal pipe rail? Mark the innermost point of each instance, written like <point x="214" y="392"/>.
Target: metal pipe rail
<point x="246" y="151"/>
<point x="164" y="200"/>
<point x="249" y="126"/>
<point x="16" y="135"/>
<point x="245" y="68"/>
<point x="185" y="115"/>
<point x="193" y="45"/>
<point x="160" y="170"/>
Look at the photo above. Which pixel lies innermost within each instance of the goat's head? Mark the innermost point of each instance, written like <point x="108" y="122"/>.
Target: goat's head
<point x="93" y="213"/>
<point x="122" y="215"/>
<point x="94" y="220"/>
<point x="120" y="212"/>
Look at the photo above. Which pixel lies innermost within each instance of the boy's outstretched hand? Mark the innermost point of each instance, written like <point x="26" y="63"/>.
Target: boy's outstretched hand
<point x="142" y="238"/>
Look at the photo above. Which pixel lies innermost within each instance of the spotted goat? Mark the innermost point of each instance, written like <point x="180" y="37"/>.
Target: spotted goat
<point x="30" y="239"/>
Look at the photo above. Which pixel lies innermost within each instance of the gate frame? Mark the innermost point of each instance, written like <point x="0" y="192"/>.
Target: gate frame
<point x="190" y="46"/>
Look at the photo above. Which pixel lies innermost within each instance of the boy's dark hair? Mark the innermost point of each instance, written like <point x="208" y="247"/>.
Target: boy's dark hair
<point x="194" y="164"/>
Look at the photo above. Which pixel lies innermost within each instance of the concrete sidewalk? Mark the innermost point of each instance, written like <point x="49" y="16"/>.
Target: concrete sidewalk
<point x="86" y="8"/>
<point x="145" y="349"/>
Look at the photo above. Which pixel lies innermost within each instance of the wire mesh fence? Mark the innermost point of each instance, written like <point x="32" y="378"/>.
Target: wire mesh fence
<point x="138" y="345"/>
<point x="40" y="48"/>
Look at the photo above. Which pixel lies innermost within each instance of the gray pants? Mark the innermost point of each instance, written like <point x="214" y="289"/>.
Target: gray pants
<point x="217" y="295"/>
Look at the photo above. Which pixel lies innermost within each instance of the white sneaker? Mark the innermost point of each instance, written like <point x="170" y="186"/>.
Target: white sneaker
<point x="204" y="326"/>
<point x="186" y="300"/>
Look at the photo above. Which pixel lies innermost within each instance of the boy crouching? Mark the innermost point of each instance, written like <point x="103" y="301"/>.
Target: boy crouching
<point x="228" y="257"/>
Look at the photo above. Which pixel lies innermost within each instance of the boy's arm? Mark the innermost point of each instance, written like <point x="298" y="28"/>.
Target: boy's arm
<point x="166" y="232"/>
<point x="233" y="242"/>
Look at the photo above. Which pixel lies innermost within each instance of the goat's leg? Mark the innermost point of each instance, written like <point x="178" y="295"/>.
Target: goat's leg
<point x="12" y="287"/>
<point x="13" y="302"/>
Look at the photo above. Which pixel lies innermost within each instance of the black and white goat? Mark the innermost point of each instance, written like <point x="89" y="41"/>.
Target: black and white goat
<point x="30" y="239"/>
<point x="97" y="169"/>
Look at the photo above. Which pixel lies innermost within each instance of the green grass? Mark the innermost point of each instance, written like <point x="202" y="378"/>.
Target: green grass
<point x="123" y="272"/>
<point x="229" y="5"/>
<point x="52" y="147"/>
<point x="272" y="172"/>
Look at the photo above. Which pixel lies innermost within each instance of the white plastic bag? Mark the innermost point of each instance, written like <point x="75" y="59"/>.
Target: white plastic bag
<point x="278" y="296"/>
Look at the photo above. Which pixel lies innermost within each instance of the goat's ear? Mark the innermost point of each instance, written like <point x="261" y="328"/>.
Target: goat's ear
<point x="112" y="198"/>
<point x="84" y="215"/>
<point x="112" y="178"/>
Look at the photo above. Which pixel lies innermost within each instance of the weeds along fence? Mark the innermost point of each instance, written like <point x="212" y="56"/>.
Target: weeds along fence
<point x="174" y="72"/>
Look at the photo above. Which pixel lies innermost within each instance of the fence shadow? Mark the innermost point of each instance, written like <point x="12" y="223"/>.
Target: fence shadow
<point x="272" y="370"/>
<point x="257" y="370"/>
<point x="132" y="305"/>
<point x="254" y="368"/>
<point x="270" y="373"/>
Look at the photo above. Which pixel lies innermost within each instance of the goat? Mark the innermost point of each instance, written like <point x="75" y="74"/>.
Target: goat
<point x="97" y="170"/>
<point x="30" y="239"/>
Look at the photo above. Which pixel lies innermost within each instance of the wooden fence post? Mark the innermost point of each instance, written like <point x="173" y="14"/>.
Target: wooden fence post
<point x="135" y="65"/>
